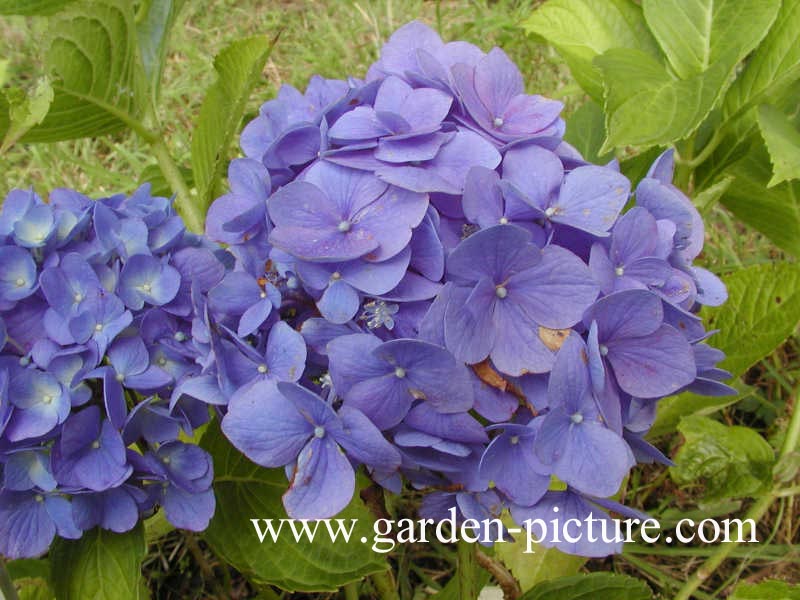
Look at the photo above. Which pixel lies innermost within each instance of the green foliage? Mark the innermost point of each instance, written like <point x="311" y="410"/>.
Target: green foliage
<point x="766" y="590"/>
<point x="595" y="586"/>
<point x="97" y="79"/>
<point x="31" y="579"/>
<point x="246" y="491"/>
<point x="762" y="310"/>
<point x="734" y="462"/>
<point x="535" y="567"/>
<point x="581" y="30"/>
<point x="238" y="67"/>
<point x="586" y="132"/>
<point x="100" y="566"/>
<point x="32" y="7"/>
<point x="26" y="111"/>
<point x="152" y="30"/>
<point x="783" y="143"/>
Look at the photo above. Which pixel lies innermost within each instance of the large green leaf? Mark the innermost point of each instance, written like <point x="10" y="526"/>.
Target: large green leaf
<point x="238" y="68"/>
<point x="583" y="29"/>
<point x="586" y="131"/>
<point x="695" y="34"/>
<point x="646" y="106"/>
<point x="152" y="31"/>
<point x="97" y="80"/>
<point x="766" y="590"/>
<point x="762" y="310"/>
<point x="775" y="211"/>
<point x="734" y="462"/>
<point x="783" y="143"/>
<point x="594" y="586"/>
<point x="32" y="7"/>
<point x="773" y="66"/>
<point x="100" y="566"/>
<point x="246" y="491"/>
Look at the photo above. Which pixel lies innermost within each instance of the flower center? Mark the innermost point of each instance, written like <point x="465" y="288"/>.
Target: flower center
<point x="503" y="221"/>
<point x="399" y="372"/>
<point x="262" y="369"/>
<point x="498" y="122"/>
<point x="147" y="287"/>
<point x="514" y="440"/>
<point x="262" y="295"/>
<point x="319" y="432"/>
<point x="550" y="211"/>
<point x="344" y="226"/>
<point x="98" y="327"/>
<point x="96" y="444"/>
<point x="620" y="271"/>
<point x="162" y="361"/>
<point x="19" y="282"/>
<point x="336" y="275"/>
<point x="120" y="377"/>
<point x="501" y="292"/>
<point x="77" y="298"/>
<point x="576" y="418"/>
<point x="39" y="498"/>
<point x="179" y="336"/>
<point x="47" y="399"/>
<point x="603" y="349"/>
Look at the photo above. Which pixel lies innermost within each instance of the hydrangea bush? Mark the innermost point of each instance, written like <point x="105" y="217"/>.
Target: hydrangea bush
<point x="99" y="331"/>
<point x="430" y="283"/>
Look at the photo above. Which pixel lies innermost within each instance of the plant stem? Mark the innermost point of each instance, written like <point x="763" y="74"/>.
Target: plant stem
<point x="755" y="514"/>
<point x="189" y="210"/>
<point x="351" y="591"/>
<point x="504" y="578"/>
<point x="7" y="589"/>
<point x="465" y="571"/>
<point x="385" y="585"/>
<point x="707" y="150"/>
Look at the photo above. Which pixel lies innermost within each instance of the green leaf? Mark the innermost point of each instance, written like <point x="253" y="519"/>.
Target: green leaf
<point x="774" y="211"/>
<point x="695" y="34"/>
<point x="594" y="586"/>
<point x="583" y="29"/>
<point x="101" y="565"/>
<point x="586" y="131"/>
<point x="535" y="567"/>
<point x="246" y="491"/>
<point x="783" y="143"/>
<point x="762" y="310"/>
<point x="451" y="590"/>
<point x="152" y="31"/>
<point x="708" y="197"/>
<point x="645" y="106"/>
<point x="238" y="68"/>
<point x="670" y="410"/>
<point x="26" y="111"/>
<point x="773" y="66"/>
<point x="32" y="8"/>
<point x="96" y="76"/>
<point x="766" y="590"/>
<point x="734" y="462"/>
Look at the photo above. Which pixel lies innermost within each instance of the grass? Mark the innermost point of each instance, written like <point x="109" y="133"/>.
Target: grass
<point x="336" y="38"/>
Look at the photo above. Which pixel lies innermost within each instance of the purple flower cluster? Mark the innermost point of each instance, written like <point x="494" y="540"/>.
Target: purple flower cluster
<point x="429" y="283"/>
<point x="98" y="305"/>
